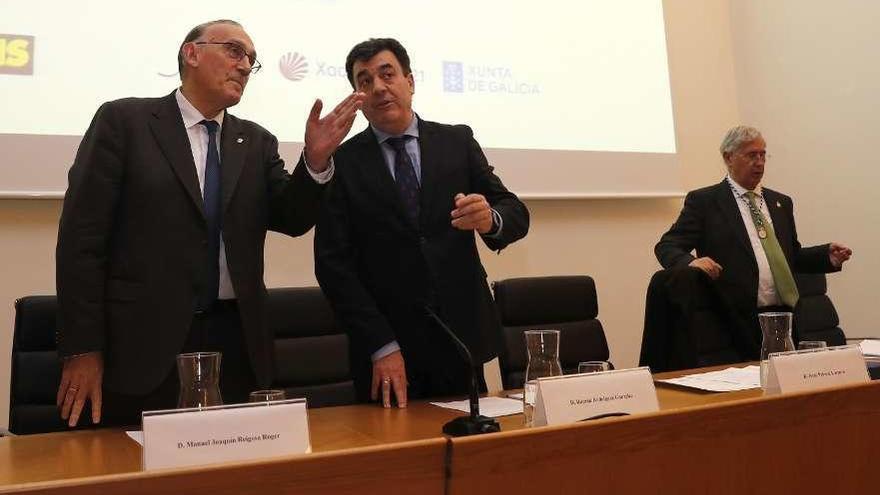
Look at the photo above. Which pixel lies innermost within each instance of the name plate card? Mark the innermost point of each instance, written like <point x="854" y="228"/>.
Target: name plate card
<point x="811" y="369"/>
<point x="572" y="398"/>
<point x="236" y="432"/>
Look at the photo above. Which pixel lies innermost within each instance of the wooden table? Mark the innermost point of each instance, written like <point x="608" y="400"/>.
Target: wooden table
<point x="815" y="442"/>
<point x="367" y="449"/>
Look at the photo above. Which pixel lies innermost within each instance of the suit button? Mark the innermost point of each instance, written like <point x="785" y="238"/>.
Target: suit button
<point x="423" y="240"/>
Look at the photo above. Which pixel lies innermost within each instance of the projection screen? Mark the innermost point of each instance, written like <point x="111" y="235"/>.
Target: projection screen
<point x="569" y="99"/>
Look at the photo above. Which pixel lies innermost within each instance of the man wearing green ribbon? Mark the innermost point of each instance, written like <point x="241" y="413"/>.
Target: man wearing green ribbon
<point x="744" y="234"/>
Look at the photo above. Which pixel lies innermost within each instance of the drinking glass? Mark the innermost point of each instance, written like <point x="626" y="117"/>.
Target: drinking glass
<point x="812" y="344"/>
<point x="593" y="366"/>
<point x="266" y="395"/>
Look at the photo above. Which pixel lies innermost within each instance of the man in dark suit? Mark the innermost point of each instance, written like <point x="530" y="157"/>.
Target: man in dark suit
<point x="160" y="244"/>
<point x="745" y="237"/>
<point x="397" y="235"/>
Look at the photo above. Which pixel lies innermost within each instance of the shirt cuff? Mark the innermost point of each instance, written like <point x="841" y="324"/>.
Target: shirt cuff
<point x="320" y="177"/>
<point x="497" y="224"/>
<point x="385" y="350"/>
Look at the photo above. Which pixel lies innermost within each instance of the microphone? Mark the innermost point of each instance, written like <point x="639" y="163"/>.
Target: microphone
<point x="475" y="423"/>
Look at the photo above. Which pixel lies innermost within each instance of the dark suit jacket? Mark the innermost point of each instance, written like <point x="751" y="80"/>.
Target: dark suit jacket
<point x="379" y="270"/>
<point x="689" y="325"/>
<point x="710" y="222"/>
<point x="132" y="238"/>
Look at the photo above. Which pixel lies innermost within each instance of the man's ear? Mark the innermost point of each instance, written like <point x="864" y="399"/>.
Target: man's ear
<point x="726" y="157"/>
<point x="412" y="83"/>
<point x="190" y="55"/>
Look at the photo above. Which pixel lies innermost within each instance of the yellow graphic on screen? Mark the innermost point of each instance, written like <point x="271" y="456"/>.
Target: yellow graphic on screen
<point x="16" y="54"/>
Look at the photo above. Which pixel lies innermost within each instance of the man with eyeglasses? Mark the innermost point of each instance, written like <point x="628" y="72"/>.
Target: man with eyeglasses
<point x="161" y="238"/>
<point x="745" y="239"/>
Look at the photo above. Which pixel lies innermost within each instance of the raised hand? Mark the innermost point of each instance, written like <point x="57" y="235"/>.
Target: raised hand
<point x="323" y="135"/>
<point x="838" y="253"/>
<point x="472" y="212"/>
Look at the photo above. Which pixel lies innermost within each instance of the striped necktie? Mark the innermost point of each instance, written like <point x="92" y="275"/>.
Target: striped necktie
<point x="405" y="176"/>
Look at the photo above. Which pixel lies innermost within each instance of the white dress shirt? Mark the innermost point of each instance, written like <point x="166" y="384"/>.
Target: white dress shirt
<point x="198" y="142"/>
<point x="767" y="295"/>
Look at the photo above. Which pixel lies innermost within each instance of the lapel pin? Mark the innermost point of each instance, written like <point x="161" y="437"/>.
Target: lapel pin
<point x="778" y="204"/>
<point x="241" y="140"/>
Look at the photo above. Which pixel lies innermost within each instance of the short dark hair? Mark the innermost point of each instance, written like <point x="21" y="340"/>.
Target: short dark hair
<point x="193" y="35"/>
<point x="366" y="50"/>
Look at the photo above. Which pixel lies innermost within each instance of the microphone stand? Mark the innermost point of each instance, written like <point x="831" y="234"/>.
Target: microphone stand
<point x="475" y="423"/>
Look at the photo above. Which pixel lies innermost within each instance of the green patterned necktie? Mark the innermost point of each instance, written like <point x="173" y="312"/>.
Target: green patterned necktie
<point x="782" y="277"/>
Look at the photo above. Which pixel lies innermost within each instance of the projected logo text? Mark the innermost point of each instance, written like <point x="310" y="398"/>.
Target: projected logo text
<point x="295" y="67"/>
<point x="16" y="54"/>
<point x="459" y="77"/>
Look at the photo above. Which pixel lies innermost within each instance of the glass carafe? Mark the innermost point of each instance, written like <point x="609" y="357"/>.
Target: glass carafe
<point x="543" y="349"/>
<point x="776" y="330"/>
<point x="199" y="374"/>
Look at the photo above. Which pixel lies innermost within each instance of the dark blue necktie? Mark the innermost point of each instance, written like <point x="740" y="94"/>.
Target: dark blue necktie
<point x="212" y="195"/>
<point x="405" y="175"/>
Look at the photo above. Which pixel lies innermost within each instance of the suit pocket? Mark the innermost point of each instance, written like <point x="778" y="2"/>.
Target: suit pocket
<point x="122" y="290"/>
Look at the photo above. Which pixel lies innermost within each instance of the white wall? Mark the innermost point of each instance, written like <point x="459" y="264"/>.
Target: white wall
<point x="807" y="75"/>
<point x="714" y="82"/>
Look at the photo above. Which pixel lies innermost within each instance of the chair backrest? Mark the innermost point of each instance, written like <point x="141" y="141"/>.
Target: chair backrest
<point x="311" y="356"/>
<point x="815" y="317"/>
<point x="36" y="370"/>
<point x="684" y="327"/>
<point x="565" y="303"/>
<point x="311" y="351"/>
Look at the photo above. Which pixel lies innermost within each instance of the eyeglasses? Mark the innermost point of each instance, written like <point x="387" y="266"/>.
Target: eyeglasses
<point x="756" y="155"/>
<point x="236" y="52"/>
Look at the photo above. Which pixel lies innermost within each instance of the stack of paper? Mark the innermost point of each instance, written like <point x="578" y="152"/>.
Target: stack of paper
<point x="870" y="347"/>
<point x="727" y="380"/>
<point x="493" y="407"/>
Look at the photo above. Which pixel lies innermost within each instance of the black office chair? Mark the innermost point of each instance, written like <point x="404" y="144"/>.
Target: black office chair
<point x="815" y="317"/>
<point x="311" y="352"/>
<point x="565" y="303"/>
<point x="36" y="371"/>
<point x="683" y="324"/>
<point x="686" y="324"/>
<point x="311" y="356"/>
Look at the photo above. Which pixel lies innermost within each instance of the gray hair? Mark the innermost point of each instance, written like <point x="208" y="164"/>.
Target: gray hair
<point x="193" y="35"/>
<point x="736" y="136"/>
